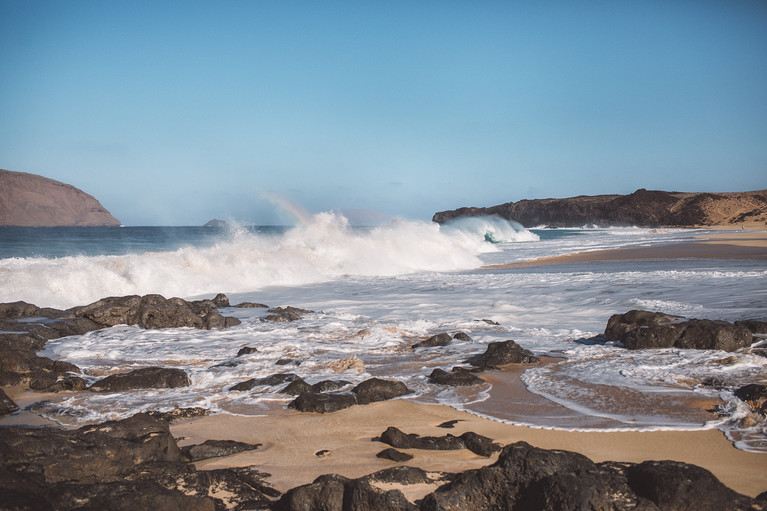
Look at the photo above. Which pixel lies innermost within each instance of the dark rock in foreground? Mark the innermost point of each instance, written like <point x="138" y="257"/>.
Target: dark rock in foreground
<point x="6" y="404"/>
<point x="118" y="465"/>
<point x="477" y="444"/>
<point x="394" y="455"/>
<point x="638" y="329"/>
<point x="502" y="353"/>
<point x="526" y="477"/>
<point x="144" y="378"/>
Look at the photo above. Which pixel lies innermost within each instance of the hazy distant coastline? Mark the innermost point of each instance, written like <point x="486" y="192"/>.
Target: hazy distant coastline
<point x="643" y="208"/>
<point x="29" y="200"/>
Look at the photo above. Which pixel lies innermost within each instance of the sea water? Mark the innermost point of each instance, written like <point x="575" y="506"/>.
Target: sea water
<point x="375" y="292"/>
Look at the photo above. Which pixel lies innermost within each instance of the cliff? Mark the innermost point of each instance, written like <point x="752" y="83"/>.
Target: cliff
<point x="643" y="208"/>
<point x="34" y="201"/>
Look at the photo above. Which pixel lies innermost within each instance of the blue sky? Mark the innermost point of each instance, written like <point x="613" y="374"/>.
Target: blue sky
<point x="173" y="113"/>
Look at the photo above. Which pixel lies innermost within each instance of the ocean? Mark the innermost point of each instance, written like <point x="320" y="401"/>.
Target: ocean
<point x="376" y="291"/>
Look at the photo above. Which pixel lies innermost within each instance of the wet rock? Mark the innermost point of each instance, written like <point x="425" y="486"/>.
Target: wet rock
<point x="221" y="300"/>
<point x="322" y="402"/>
<point x="479" y="444"/>
<point x="638" y="329"/>
<point x="251" y="305"/>
<point x="329" y="385"/>
<point x="216" y="449"/>
<point x="297" y="387"/>
<point x="288" y="362"/>
<point x="8" y="378"/>
<point x="21" y="341"/>
<point x="145" y="378"/>
<point x="501" y="353"/>
<point x="337" y="493"/>
<point x="154" y="311"/>
<point x="754" y="394"/>
<point x="461" y="336"/>
<point x="442" y="339"/>
<point x="42" y="380"/>
<point x="754" y="326"/>
<point x="457" y="377"/>
<point x="394" y="455"/>
<point x="376" y="389"/>
<point x="272" y="380"/>
<point x="6" y="404"/>
<point x="69" y="383"/>
<point x="247" y="350"/>
<point x="285" y="314"/>
<point x="179" y="413"/>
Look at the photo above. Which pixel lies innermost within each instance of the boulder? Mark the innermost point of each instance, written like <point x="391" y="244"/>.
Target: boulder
<point x="442" y="339"/>
<point x="216" y="449"/>
<point x="251" y="305"/>
<point x="144" y="378"/>
<point x="754" y="326"/>
<point x="6" y="404"/>
<point x="329" y="385"/>
<point x="457" y="377"/>
<point x="246" y="350"/>
<point x="394" y="455"/>
<point x="462" y="336"/>
<point x="639" y="329"/>
<point x="337" y="493"/>
<point x="271" y="380"/>
<point x="297" y="387"/>
<point x="502" y="353"/>
<point x="285" y="314"/>
<point x="322" y="402"/>
<point x="221" y="300"/>
<point x="376" y="389"/>
<point x="755" y="395"/>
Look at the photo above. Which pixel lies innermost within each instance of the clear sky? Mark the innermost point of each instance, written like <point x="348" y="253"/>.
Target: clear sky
<point x="173" y="113"/>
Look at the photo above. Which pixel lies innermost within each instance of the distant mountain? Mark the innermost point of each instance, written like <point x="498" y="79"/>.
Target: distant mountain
<point x="30" y="200"/>
<point x="643" y="208"/>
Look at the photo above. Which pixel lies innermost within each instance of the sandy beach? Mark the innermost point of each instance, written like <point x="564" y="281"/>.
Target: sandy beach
<point x="739" y="245"/>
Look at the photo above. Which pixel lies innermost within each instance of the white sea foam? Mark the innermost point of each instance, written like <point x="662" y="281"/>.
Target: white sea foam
<point x="323" y="249"/>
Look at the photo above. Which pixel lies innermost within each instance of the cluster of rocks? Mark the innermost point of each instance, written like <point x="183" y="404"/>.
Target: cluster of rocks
<point x="130" y="464"/>
<point x="26" y="328"/>
<point x="528" y="478"/>
<point x="639" y="329"/>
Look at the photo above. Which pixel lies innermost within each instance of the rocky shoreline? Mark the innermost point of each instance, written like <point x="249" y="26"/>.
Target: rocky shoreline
<point x="137" y="463"/>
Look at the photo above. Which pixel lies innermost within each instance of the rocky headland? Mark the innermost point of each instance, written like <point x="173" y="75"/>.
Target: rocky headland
<point x="29" y="200"/>
<point x="643" y="208"/>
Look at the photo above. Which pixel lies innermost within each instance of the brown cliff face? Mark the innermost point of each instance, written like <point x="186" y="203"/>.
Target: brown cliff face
<point x="643" y="208"/>
<point x="30" y="200"/>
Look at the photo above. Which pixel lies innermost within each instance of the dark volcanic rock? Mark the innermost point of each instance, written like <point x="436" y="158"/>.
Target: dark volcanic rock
<point x="501" y="353"/>
<point x="442" y="339"/>
<point x="337" y="493"/>
<point x="251" y="305"/>
<point x="638" y="329"/>
<point x="457" y="377"/>
<point x="284" y="314"/>
<point x="462" y="336"/>
<point x="221" y="300"/>
<point x="329" y="385"/>
<point x="216" y="449"/>
<point x="247" y="350"/>
<point x="6" y="404"/>
<point x="322" y="402"/>
<point x="297" y="387"/>
<point x="376" y="389"/>
<point x="756" y="327"/>
<point x="154" y="311"/>
<point x="274" y="379"/>
<point x="394" y="455"/>
<point x="145" y="378"/>
<point x="118" y="465"/>
<point x="526" y="477"/>
<point x="477" y="444"/>
<point x="754" y="394"/>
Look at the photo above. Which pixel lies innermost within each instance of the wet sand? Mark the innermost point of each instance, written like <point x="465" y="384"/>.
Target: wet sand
<point x="746" y="245"/>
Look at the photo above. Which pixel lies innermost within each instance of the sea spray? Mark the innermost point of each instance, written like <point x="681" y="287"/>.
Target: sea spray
<point x="321" y="248"/>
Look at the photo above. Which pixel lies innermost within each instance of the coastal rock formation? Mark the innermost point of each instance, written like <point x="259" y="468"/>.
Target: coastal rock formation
<point x="477" y="444"/>
<point x="376" y="389"/>
<point x="526" y="477"/>
<point x="29" y="200"/>
<point x="643" y="208"/>
<point x="130" y="464"/>
<point x="638" y="329"/>
<point x="155" y="311"/>
<point x="144" y="378"/>
<point x="457" y="377"/>
<point x="502" y="353"/>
